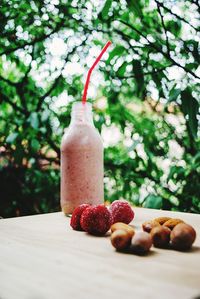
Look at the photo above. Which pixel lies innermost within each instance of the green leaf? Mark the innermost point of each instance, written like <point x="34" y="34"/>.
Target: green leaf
<point x="34" y="121"/>
<point x="153" y="202"/>
<point x="106" y="9"/>
<point x="135" y="7"/>
<point x="45" y="115"/>
<point x="11" y="138"/>
<point x="18" y="154"/>
<point x="174" y="93"/>
<point x="176" y="172"/>
<point x="190" y="108"/>
<point x="192" y="66"/>
<point x="35" y="144"/>
<point x="122" y="69"/>
<point x="174" y="27"/>
<point x="117" y="51"/>
<point x="98" y="42"/>
<point x="138" y="72"/>
<point x="157" y="79"/>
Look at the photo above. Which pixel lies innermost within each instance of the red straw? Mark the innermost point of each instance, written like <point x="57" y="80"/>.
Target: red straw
<point x="84" y="98"/>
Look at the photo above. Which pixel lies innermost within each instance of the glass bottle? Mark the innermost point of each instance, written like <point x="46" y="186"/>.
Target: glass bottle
<point x="81" y="161"/>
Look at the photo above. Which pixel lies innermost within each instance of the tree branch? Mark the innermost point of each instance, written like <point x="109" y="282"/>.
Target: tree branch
<point x="18" y="87"/>
<point x="11" y="83"/>
<point x="196" y="2"/>
<point x="29" y="67"/>
<point x="144" y="73"/>
<point x="175" y="15"/>
<point x="152" y="45"/>
<point x="51" y="88"/>
<point x="24" y="112"/>
<point x="23" y="82"/>
<point x="14" y="105"/>
<point x="34" y="41"/>
<point x="15" y="84"/>
<point x="126" y="37"/>
<point x="163" y="25"/>
<point x="54" y="84"/>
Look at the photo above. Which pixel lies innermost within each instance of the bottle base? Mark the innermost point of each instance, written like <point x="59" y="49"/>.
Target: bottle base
<point x="68" y="215"/>
<point x="67" y="210"/>
<point x="69" y="207"/>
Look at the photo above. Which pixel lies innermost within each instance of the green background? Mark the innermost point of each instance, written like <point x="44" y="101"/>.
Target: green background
<point x="147" y="90"/>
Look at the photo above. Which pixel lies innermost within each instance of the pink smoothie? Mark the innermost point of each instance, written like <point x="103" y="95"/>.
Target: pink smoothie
<point x="81" y="161"/>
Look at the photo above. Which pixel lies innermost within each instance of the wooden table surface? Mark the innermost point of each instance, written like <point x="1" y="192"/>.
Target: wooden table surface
<point x="42" y="257"/>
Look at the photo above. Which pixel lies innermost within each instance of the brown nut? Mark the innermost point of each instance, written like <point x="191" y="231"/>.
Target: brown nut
<point x="141" y="243"/>
<point x="160" y="236"/>
<point x="171" y="223"/>
<point x="148" y="225"/>
<point x="161" y="220"/>
<point x="182" y="236"/>
<point x="121" y="225"/>
<point x="120" y="239"/>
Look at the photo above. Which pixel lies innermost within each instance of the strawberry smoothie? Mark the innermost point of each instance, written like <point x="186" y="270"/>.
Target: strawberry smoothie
<point x="81" y="161"/>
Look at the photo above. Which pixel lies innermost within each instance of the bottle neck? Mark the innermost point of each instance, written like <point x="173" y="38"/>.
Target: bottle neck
<point x="82" y="114"/>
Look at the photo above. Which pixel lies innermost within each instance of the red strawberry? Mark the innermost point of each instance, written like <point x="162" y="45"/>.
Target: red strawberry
<point x="121" y="211"/>
<point x="76" y="216"/>
<point x="96" y="220"/>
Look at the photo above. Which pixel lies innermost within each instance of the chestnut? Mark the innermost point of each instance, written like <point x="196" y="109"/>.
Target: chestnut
<point x="182" y="236"/>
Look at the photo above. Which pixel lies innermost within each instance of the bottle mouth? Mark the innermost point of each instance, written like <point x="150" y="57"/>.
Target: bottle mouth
<point x="82" y="113"/>
<point x="79" y="106"/>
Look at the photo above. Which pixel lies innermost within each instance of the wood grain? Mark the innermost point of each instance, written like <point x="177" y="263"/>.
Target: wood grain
<point x="42" y="257"/>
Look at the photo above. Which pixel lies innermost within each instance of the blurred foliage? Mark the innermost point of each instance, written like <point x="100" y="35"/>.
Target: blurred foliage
<point x="149" y="92"/>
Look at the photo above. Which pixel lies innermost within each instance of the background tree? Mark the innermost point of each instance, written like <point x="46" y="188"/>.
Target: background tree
<point x="147" y="97"/>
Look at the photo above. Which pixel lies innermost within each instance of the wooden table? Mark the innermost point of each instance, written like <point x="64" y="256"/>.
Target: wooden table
<point x="42" y="257"/>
